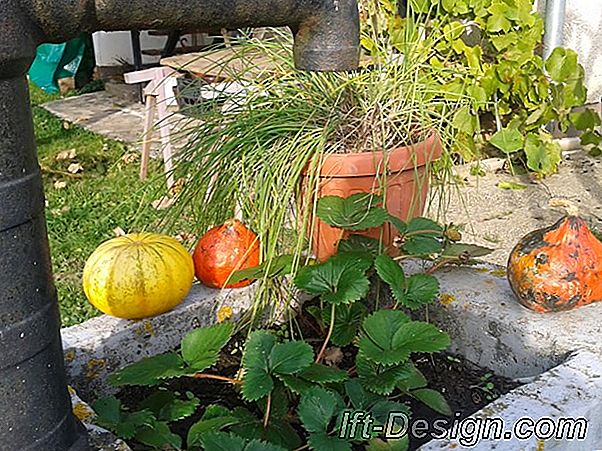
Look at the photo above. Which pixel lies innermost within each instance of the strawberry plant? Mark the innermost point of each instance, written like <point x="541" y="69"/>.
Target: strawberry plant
<point x="292" y="399"/>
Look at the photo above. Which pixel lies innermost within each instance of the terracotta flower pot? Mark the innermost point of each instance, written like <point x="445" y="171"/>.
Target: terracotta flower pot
<point x="407" y="185"/>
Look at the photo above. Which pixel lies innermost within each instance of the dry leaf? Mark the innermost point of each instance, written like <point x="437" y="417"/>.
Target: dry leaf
<point x="60" y="211"/>
<point x="177" y="187"/>
<point x="60" y="184"/>
<point x="130" y="157"/>
<point x="333" y="356"/>
<point x="183" y="237"/>
<point x="75" y="168"/>
<point x="225" y="312"/>
<point x="66" y="155"/>
<point x="163" y="203"/>
<point x="118" y="231"/>
<point x="66" y="125"/>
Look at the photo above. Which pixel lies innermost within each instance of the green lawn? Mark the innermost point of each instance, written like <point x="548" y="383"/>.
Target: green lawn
<point x="84" y="209"/>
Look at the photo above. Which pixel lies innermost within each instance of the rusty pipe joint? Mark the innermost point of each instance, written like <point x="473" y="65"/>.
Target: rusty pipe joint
<point x="326" y="32"/>
<point x="328" y="39"/>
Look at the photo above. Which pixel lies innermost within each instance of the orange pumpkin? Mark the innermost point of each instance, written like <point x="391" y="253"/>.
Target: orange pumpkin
<point x="223" y="250"/>
<point x="557" y="268"/>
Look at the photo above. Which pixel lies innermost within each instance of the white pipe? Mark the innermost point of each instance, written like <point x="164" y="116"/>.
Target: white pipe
<point x="567" y="144"/>
<point x="554" y="23"/>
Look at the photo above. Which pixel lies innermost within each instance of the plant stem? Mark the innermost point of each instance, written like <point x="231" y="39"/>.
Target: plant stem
<point x="301" y="448"/>
<point x="437" y="266"/>
<point x="266" y="418"/>
<point x="217" y="377"/>
<point x="327" y="339"/>
<point x="401" y="257"/>
<point x="341" y="235"/>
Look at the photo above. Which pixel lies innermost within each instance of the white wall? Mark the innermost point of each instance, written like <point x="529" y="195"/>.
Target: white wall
<point x="113" y="48"/>
<point x="583" y="33"/>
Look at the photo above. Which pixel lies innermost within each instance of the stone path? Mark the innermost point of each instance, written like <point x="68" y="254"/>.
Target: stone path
<point x="102" y="114"/>
<point x="109" y="116"/>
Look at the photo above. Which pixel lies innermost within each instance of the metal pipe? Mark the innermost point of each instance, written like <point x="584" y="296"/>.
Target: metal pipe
<point x="554" y="23"/>
<point x="36" y="409"/>
<point x="35" y="412"/>
<point x="326" y="31"/>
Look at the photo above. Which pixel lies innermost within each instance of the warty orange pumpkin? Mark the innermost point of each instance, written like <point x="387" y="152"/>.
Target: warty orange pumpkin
<point x="223" y="250"/>
<point x="557" y="268"/>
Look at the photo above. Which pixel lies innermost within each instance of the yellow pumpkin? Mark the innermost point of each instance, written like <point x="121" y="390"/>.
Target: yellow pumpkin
<point x="138" y="275"/>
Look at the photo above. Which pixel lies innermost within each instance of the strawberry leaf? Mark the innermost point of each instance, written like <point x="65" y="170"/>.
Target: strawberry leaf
<point x="433" y="399"/>
<point x="150" y="370"/>
<point x="290" y="357"/>
<point x="418" y="336"/>
<point x="323" y="374"/>
<point x="378" y="378"/>
<point x="376" y="339"/>
<point x="340" y="280"/>
<point x="323" y="442"/>
<point x="357" y="212"/>
<point x="316" y="409"/>
<point x="348" y="319"/>
<point x="201" y="347"/>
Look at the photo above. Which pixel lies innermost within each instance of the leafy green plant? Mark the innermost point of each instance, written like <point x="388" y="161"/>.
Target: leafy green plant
<point x="251" y="161"/>
<point x="285" y="381"/>
<point x="486" y="386"/>
<point x="273" y="373"/>
<point x="150" y="424"/>
<point x="490" y="52"/>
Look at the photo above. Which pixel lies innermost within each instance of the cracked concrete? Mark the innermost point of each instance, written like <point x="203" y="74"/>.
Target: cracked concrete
<point x="490" y="328"/>
<point x="572" y="390"/>
<point x="558" y="356"/>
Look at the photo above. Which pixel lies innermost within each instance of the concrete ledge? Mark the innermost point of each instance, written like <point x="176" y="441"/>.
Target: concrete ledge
<point x="490" y="328"/>
<point x="98" y="347"/>
<point x="99" y="439"/>
<point x="477" y="307"/>
<point x="571" y="390"/>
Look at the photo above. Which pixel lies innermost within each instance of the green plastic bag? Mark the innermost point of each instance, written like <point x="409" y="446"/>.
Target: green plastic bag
<point x="56" y="61"/>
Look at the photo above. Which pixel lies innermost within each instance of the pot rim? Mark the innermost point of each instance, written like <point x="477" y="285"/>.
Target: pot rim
<point x="364" y="164"/>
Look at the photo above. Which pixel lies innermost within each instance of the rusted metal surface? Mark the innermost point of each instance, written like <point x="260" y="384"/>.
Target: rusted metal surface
<point x="34" y="403"/>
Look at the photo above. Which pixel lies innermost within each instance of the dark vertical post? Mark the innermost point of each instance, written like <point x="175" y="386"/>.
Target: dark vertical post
<point x="35" y="409"/>
<point x="137" y="57"/>
<point x="173" y="37"/>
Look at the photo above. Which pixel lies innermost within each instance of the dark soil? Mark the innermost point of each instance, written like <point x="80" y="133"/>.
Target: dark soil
<point x="464" y="385"/>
